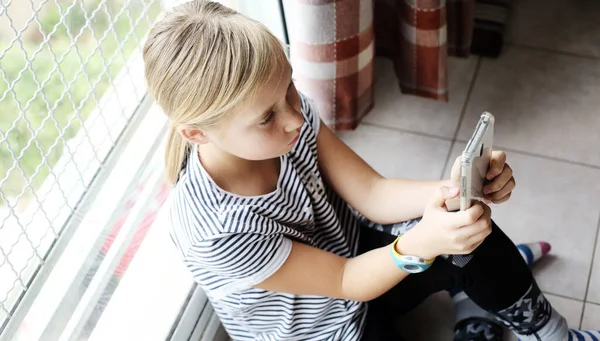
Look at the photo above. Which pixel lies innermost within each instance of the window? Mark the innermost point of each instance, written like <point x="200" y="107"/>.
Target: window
<point x="84" y="251"/>
<point x="71" y="85"/>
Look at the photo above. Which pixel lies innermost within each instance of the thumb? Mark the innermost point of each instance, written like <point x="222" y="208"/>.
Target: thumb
<point x="442" y="194"/>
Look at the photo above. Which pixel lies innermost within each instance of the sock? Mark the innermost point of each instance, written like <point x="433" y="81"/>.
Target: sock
<point x="554" y="330"/>
<point x="532" y="252"/>
<point x="532" y="318"/>
<point x="584" y="335"/>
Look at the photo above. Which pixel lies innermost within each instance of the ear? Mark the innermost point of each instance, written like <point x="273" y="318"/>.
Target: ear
<point x="192" y="134"/>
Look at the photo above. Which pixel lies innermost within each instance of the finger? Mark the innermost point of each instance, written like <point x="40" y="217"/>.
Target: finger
<point x="442" y="194"/>
<point x="480" y="237"/>
<point x="482" y="224"/>
<point x="498" y="161"/>
<point x="487" y="214"/>
<point x="504" y="199"/>
<point x="455" y="172"/>
<point x="467" y="234"/>
<point x="469" y="216"/>
<point x="506" y="190"/>
<point x="499" y="181"/>
<point x="476" y="245"/>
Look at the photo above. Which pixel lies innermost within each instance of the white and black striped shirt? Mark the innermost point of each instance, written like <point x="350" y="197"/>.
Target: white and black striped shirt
<point x="231" y="243"/>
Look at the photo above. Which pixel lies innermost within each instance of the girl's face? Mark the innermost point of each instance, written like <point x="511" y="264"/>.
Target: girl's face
<point x="263" y="127"/>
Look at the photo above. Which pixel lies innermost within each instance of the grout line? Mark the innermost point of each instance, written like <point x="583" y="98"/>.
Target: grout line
<point x="548" y="50"/>
<point x="457" y="140"/>
<point x="468" y="98"/>
<point x="542" y="156"/>
<point x="587" y="288"/>
<point x="506" y="149"/>
<point x="408" y="131"/>
<point x="563" y="296"/>
<point x="462" y="114"/>
<point x="582" y="315"/>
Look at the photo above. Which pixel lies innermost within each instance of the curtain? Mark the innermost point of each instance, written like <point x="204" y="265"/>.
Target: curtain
<point x="332" y="45"/>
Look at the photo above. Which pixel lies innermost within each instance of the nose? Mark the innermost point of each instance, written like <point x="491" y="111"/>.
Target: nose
<point x="294" y="120"/>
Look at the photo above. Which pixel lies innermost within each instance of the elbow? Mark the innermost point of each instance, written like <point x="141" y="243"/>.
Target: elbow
<point x="363" y="298"/>
<point x="373" y="210"/>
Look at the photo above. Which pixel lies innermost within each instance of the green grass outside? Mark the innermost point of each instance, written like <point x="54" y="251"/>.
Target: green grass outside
<point x="19" y="123"/>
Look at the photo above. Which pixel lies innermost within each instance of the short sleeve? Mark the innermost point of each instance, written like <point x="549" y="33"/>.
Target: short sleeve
<point x="236" y="262"/>
<point x="310" y="113"/>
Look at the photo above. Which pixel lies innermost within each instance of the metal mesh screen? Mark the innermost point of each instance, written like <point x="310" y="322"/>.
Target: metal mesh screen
<point x="67" y="91"/>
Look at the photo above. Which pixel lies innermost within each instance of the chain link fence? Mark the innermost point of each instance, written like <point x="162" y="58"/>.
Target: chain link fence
<point x="67" y="91"/>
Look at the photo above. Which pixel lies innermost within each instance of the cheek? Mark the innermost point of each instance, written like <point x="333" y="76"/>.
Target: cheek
<point x="275" y="133"/>
<point x="268" y="139"/>
<point x="295" y="100"/>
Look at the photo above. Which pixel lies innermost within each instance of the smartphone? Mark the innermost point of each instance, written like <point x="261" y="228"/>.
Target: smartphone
<point x="475" y="161"/>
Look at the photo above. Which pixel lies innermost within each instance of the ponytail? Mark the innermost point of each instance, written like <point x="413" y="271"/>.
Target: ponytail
<point x="176" y="153"/>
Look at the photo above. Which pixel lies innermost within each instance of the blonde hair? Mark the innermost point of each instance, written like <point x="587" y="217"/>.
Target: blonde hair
<point x="202" y="59"/>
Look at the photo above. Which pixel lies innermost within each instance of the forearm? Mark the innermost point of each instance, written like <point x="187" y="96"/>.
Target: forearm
<point x="395" y="200"/>
<point x="371" y="274"/>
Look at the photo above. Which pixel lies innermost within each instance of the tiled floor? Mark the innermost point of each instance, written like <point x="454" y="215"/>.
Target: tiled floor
<point x="545" y="93"/>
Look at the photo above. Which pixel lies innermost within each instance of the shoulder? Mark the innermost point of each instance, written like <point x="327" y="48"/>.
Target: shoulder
<point x="195" y="203"/>
<point x="199" y="211"/>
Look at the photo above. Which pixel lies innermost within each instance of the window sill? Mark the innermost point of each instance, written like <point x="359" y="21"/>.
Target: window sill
<point x="152" y="292"/>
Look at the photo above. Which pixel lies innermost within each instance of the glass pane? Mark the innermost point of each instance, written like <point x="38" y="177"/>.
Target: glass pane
<point x="66" y="94"/>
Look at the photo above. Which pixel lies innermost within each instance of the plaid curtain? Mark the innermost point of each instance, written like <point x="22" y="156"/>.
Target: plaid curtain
<point x="333" y="42"/>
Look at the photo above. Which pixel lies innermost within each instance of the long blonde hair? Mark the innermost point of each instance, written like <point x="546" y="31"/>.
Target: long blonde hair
<point x="202" y="59"/>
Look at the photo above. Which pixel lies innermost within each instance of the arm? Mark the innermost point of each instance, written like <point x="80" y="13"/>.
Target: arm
<point x="379" y="199"/>
<point x="311" y="271"/>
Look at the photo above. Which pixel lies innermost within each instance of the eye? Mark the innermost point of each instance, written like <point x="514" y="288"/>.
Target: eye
<point x="267" y="119"/>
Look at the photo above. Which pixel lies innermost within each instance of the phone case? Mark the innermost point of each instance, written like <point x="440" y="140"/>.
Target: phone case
<point x="475" y="161"/>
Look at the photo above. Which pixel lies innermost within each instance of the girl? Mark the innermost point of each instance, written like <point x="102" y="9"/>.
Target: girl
<point x="265" y="194"/>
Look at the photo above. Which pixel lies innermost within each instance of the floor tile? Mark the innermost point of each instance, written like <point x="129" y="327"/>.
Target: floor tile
<point x="568" y="26"/>
<point x="409" y="112"/>
<point x="570" y="309"/>
<point x="398" y="154"/>
<point x="594" y="286"/>
<point x="432" y="320"/>
<point x="555" y="202"/>
<point x="591" y="317"/>
<point x="544" y="103"/>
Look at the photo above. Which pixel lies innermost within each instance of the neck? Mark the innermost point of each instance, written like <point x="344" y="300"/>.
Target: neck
<point x="233" y="173"/>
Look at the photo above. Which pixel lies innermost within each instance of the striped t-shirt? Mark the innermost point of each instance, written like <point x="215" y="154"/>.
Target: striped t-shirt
<point x="231" y="243"/>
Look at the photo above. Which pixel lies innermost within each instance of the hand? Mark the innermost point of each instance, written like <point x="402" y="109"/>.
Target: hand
<point x="442" y="232"/>
<point x="500" y="178"/>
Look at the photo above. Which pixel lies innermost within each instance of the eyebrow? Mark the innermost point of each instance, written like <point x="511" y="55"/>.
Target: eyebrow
<point x="268" y="110"/>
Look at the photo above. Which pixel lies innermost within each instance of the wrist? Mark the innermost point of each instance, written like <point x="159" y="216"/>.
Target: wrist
<point x="410" y="244"/>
